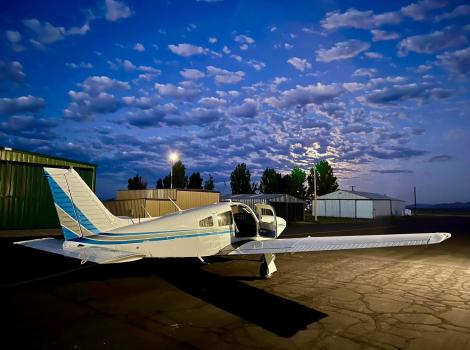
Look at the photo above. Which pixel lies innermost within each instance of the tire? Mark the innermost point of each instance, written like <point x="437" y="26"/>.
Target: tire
<point x="263" y="271"/>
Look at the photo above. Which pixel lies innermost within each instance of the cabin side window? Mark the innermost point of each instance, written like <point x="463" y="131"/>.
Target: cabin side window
<point x="207" y="222"/>
<point x="225" y="219"/>
<point x="265" y="211"/>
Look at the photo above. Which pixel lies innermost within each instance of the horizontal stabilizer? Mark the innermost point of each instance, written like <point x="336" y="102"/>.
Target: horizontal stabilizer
<point x="313" y="244"/>
<point x="85" y="253"/>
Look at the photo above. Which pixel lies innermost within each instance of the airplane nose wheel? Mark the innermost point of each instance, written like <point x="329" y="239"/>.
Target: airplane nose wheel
<point x="267" y="268"/>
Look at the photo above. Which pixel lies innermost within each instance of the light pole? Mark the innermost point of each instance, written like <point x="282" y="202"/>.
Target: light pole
<point x="173" y="157"/>
<point x="315" y="192"/>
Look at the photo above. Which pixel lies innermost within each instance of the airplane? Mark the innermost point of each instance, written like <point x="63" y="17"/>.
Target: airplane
<point x="92" y="233"/>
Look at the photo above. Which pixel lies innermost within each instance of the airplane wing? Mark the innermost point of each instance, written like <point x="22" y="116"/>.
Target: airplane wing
<point x="85" y="253"/>
<point x="313" y="244"/>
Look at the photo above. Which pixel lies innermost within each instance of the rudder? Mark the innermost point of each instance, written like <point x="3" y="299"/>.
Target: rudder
<point x="80" y="212"/>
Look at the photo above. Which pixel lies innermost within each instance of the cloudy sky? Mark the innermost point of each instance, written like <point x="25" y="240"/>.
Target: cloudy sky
<point x="380" y="89"/>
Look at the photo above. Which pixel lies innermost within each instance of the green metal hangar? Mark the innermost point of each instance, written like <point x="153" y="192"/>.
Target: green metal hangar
<point x="25" y="198"/>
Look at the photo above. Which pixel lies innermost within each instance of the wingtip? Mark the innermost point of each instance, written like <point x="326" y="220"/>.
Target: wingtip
<point x="438" y="237"/>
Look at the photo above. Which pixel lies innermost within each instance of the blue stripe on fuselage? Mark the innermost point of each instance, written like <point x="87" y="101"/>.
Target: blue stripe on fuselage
<point x="95" y="239"/>
<point x="111" y="234"/>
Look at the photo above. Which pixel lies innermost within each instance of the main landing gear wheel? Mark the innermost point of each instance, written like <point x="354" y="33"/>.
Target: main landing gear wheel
<point x="263" y="271"/>
<point x="267" y="268"/>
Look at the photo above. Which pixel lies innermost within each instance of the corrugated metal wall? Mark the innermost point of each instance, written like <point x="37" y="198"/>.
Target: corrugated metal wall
<point x="156" y="202"/>
<point x="290" y="209"/>
<point x="191" y="199"/>
<point x="147" y="194"/>
<point x="291" y="212"/>
<point x="25" y="198"/>
<point x="159" y="207"/>
<point x="398" y="208"/>
<point x="130" y="207"/>
<point x="382" y="208"/>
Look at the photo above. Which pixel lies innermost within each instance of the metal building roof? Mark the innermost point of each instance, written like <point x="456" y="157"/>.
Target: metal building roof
<point x="271" y="197"/>
<point x="26" y="157"/>
<point x="367" y="195"/>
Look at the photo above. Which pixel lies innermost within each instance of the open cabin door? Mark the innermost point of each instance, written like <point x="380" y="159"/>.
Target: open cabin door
<point x="267" y="220"/>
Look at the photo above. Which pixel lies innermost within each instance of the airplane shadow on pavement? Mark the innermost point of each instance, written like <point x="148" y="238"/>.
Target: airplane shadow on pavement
<point x="274" y="313"/>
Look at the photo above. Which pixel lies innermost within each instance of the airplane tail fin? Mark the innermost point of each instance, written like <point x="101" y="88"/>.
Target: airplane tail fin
<point x="80" y="212"/>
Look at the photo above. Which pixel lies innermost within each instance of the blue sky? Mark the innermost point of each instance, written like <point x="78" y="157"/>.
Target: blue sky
<point x="379" y="90"/>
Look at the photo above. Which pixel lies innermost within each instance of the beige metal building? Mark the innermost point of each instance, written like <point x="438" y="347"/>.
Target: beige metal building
<point x="145" y="203"/>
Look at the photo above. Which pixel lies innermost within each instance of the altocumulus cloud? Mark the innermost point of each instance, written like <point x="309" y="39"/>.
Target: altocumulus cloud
<point x="223" y="76"/>
<point x="440" y="159"/>
<point x="192" y="74"/>
<point x="248" y="109"/>
<point x="12" y="71"/>
<point x="95" y="98"/>
<point x="45" y="33"/>
<point x="29" y="126"/>
<point x="303" y="95"/>
<point x="395" y="93"/>
<point x="116" y="10"/>
<point x="353" y="18"/>
<point x="186" y="90"/>
<point x="458" y="62"/>
<point x="435" y="41"/>
<point x="187" y="50"/>
<point x="300" y="64"/>
<point x="342" y="50"/>
<point x="23" y="104"/>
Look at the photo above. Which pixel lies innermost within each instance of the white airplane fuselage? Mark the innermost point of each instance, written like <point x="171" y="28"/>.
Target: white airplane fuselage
<point x="181" y="235"/>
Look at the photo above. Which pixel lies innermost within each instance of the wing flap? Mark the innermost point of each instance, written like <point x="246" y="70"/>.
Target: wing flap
<point x="311" y="244"/>
<point x="85" y="253"/>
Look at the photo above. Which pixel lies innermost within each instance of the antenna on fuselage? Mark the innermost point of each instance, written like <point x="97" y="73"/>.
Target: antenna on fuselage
<point x="176" y="205"/>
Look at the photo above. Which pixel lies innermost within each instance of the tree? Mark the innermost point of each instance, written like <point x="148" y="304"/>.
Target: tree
<point x="285" y="186"/>
<point x="159" y="184"/>
<point x="136" y="183"/>
<point x="297" y="187"/>
<point x="270" y="181"/>
<point x="240" y="180"/>
<point x="180" y="180"/>
<point x="195" y="181"/>
<point x="326" y="181"/>
<point x="167" y="182"/>
<point x="209" y="184"/>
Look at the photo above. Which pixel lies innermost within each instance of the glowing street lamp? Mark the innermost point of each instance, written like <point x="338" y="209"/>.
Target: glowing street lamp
<point x="173" y="157"/>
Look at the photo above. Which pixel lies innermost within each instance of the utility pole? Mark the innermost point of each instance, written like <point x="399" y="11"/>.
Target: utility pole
<point x="315" y="193"/>
<point x="414" y="190"/>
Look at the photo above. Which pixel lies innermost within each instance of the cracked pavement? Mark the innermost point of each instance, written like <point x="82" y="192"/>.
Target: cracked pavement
<point x="387" y="298"/>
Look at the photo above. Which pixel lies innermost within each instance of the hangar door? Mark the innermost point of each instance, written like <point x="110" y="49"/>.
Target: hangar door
<point x="365" y="209"/>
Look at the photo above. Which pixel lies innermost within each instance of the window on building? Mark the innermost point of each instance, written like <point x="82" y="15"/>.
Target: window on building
<point x="225" y="219"/>
<point x="207" y="222"/>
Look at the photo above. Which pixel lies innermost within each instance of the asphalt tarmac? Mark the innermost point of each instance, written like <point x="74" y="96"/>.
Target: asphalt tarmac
<point x="387" y="298"/>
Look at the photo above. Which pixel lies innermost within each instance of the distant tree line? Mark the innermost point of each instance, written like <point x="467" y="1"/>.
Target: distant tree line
<point x="297" y="183"/>
<point x="180" y="180"/>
